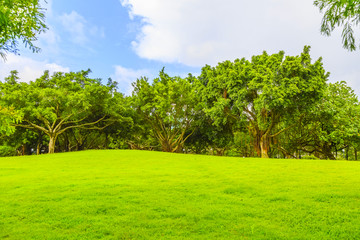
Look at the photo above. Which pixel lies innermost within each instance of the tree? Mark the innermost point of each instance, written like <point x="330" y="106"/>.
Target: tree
<point x="53" y="105"/>
<point x="113" y="136"/>
<point x="20" y="20"/>
<point x="333" y="125"/>
<point x="271" y="91"/>
<point x="139" y="135"/>
<point x="337" y="13"/>
<point x="8" y="116"/>
<point x="207" y="137"/>
<point x="168" y="105"/>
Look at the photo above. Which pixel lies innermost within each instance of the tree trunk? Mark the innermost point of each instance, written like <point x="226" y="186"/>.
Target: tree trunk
<point x="336" y="153"/>
<point x="355" y="153"/>
<point x="166" y="146"/>
<point x="264" y="146"/>
<point x="38" y="149"/>
<point x="257" y="144"/>
<point x="24" y="150"/>
<point x="171" y="145"/>
<point x="220" y="151"/>
<point x="52" y="143"/>
<point x="327" y="152"/>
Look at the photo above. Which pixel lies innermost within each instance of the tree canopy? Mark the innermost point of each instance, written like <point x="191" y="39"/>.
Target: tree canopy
<point x="8" y="116"/>
<point x="63" y="101"/>
<point x="20" y="20"/>
<point x="169" y="106"/>
<point x="271" y="105"/>
<point x="345" y="13"/>
<point x="268" y="91"/>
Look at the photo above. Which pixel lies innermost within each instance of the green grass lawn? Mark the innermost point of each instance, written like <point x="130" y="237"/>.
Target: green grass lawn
<point x="118" y="194"/>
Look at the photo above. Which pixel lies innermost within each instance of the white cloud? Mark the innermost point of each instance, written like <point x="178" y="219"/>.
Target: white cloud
<point x="80" y="30"/>
<point x="125" y="76"/>
<point x="199" y="32"/>
<point x="50" y="38"/>
<point x="75" y="25"/>
<point x="49" y="42"/>
<point x="28" y="68"/>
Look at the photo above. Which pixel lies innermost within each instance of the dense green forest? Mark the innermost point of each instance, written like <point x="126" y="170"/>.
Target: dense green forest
<point x="274" y="106"/>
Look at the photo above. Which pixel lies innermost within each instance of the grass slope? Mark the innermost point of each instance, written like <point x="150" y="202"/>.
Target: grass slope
<point x="151" y="195"/>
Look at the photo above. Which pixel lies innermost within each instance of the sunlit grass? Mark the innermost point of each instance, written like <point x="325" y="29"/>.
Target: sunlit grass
<point x="151" y="195"/>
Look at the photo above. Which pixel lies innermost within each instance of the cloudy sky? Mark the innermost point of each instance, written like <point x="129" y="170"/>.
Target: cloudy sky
<point x="126" y="39"/>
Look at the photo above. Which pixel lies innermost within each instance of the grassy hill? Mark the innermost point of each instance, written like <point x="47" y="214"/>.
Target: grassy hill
<point x="151" y="195"/>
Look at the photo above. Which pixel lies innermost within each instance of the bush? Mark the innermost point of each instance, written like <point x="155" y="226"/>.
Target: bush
<point x="7" y="151"/>
<point x="309" y="157"/>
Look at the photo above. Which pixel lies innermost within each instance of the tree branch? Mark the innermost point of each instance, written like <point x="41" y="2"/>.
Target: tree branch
<point x="33" y="126"/>
<point x="84" y="126"/>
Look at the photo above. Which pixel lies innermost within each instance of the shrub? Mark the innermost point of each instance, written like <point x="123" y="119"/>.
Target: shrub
<point x="7" y="151"/>
<point x="309" y="157"/>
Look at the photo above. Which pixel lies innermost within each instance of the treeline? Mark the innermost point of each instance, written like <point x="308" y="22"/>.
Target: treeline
<point x="269" y="106"/>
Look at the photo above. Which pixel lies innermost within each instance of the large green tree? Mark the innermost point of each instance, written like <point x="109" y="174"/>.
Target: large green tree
<point x="345" y="13"/>
<point x="169" y="106"/>
<point x="63" y="101"/>
<point x="332" y="126"/>
<point x="271" y="91"/>
<point x="20" y="20"/>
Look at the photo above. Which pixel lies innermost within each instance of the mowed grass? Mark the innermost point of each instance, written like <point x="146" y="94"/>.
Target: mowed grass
<point x="123" y="194"/>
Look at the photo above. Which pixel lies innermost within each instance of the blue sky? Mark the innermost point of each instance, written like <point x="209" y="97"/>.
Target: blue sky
<point x="126" y="39"/>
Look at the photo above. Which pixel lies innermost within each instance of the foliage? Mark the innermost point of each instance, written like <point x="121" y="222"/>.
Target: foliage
<point x="7" y="151"/>
<point x="140" y="134"/>
<point x="337" y="13"/>
<point x="311" y="157"/>
<point x="333" y="125"/>
<point x="8" y="116"/>
<point x="53" y="105"/>
<point x="169" y="106"/>
<point x="209" y="138"/>
<point x="20" y="20"/>
<point x="270" y="106"/>
<point x="268" y="90"/>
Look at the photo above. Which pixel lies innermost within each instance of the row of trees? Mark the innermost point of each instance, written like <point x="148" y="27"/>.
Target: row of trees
<point x="269" y="106"/>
